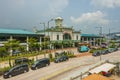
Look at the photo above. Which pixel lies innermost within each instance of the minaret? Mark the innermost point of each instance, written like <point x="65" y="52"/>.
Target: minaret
<point x="58" y="22"/>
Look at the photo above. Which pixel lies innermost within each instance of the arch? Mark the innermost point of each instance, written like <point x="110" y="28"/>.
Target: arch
<point x="66" y="36"/>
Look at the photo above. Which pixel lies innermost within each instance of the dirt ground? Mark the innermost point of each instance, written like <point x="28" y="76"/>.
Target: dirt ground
<point x="114" y="77"/>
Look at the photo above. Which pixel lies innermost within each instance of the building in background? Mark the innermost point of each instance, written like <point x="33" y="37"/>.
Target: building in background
<point x="60" y="33"/>
<point x="18" y="34"/>
<point x="92" y="39"/>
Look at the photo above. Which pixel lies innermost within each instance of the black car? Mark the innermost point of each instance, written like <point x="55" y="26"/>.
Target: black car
<point x="111" y="50"/>
<point x="104" y="51"/>
<point x="16" y="70"/>
<point x="96" y="53"/>
<point x="40" y="63"/>
<point x="61" y="59"/>
<point x="22" y="60"/>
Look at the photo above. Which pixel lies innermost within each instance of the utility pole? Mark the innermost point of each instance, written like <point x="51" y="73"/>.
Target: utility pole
<point x="100" y="33"/>
<point x="44" y="39"/>
<point x="48" y="27"/>
<point x="48" y="32"/>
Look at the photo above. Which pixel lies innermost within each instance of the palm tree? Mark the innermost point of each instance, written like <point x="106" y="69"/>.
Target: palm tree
<point x="3" y="52"/>
<point x="33" y="44"/>
<point x="10" y="46"/>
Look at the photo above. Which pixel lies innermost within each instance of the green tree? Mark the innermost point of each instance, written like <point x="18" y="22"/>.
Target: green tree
<point x="46" y="43"/>
<point x="12" y="45"/>
<point x="3" y="52"/>
<point x="33" y="44"/>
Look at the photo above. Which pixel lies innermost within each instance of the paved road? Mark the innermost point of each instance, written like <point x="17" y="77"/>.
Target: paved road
<point x="6" y="63"/>
<point x="54" y="67"/>
<point x="113" y="57"/>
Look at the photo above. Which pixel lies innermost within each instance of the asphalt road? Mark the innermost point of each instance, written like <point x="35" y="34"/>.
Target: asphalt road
<point x="54" y="67"/>
<point x="112" y="57"/>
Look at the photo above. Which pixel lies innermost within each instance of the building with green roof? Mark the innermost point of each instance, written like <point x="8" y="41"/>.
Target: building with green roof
<point x="60" y="33"/>
<point x="18" y="34"/>
<point x="92" y="39"/>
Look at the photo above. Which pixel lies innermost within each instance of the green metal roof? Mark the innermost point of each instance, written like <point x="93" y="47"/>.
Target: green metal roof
<point x="15" y="31"/>
<point x="89" y="35"/>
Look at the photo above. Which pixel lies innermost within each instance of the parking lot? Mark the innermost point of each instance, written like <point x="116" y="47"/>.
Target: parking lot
<point x="55" y="67"/>
<point x="112" y="57"/>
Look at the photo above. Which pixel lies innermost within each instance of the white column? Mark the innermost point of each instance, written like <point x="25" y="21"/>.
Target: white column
<point x="90" y="40"/>
<point x="11" y="37"/>
<point x="11" y="50"/>
<point x="100" y="41"/>
<point x="87" y="40"/>
<point x="40" y="42"/>
<point x="94" y="41"/>
<point x="27" y="48"/>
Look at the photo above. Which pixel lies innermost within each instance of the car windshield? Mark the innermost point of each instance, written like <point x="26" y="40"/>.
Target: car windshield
<point x="58" y="57"/>
<point x="13" y="68"/>
<point x="36" y="62"/>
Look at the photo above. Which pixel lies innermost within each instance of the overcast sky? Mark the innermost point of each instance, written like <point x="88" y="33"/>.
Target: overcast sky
<point x="84" y="15"/>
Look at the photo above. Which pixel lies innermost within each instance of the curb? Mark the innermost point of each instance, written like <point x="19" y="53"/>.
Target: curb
<point x="58" y="72"/>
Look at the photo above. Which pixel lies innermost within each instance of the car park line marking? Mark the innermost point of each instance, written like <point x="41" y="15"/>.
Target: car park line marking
<point x="58" y="72"/>
<point x="48" y="77"/>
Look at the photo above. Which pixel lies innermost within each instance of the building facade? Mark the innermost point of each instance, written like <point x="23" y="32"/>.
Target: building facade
<point x="61" y="33"/>
<point x="92" y="39"/>
<point x="20" y="35"/>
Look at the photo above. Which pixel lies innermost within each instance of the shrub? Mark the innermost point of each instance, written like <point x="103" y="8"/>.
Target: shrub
<point x="50" y="56"/>
<point x="2" y="70"/>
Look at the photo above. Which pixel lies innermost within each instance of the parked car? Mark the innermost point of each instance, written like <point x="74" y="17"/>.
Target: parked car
<point x="16" y="70"/>
<point x="104" y="51"/>
<point x="40" y="63"/>
<point x="111" y="50"/>
<point x="115" y="49"/>
<point x="83" y="49"/>
<point x="16" y="52"/>
<point x="22" y="60"/>
<point x="96" y="53"/>
<point x="61" y="58"/>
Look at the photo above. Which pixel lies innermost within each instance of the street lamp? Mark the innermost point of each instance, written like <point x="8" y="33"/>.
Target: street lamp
<point x="100" y="33"/>
<point x="44" y="27"/>
<point x="48" y="27"/>
<point x="48" y="32"/>
<point x="44" y="38"/>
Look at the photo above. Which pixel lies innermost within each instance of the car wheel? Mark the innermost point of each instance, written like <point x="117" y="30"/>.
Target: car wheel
<point x="10" y="76"/>
<point x="47" y="64"/>
<point x="58" y="61"/>
<point x="36" y="67"/>
<point x="25" y="71"/>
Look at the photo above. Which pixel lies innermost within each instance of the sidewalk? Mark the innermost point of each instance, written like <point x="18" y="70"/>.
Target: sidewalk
<point x="6" y="63"/>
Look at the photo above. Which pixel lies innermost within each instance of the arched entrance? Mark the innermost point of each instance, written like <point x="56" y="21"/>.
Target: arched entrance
<point x="66" y="36"/>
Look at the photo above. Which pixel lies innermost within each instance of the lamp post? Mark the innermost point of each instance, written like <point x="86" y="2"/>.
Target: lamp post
<point x="48" y="27"/>
<point x="44" y="39"/>
<point x="48" y="32"/>
<point x="100" y="33"/>
<point x="44" y="27"/>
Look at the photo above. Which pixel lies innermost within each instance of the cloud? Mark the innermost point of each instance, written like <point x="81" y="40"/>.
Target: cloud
<point x="106" y="3"/>
<point x="90" y="18"/>
<point x="56" y="6"/>
<point x="21" y="11"/>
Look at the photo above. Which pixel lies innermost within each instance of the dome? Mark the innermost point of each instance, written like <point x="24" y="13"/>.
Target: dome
<point x="58" y="18"/>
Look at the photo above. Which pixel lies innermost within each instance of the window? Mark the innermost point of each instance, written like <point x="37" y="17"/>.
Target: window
<point x="57" y="37"/>
<point x="66" y="36"/>
<point x="77" y="37"/>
